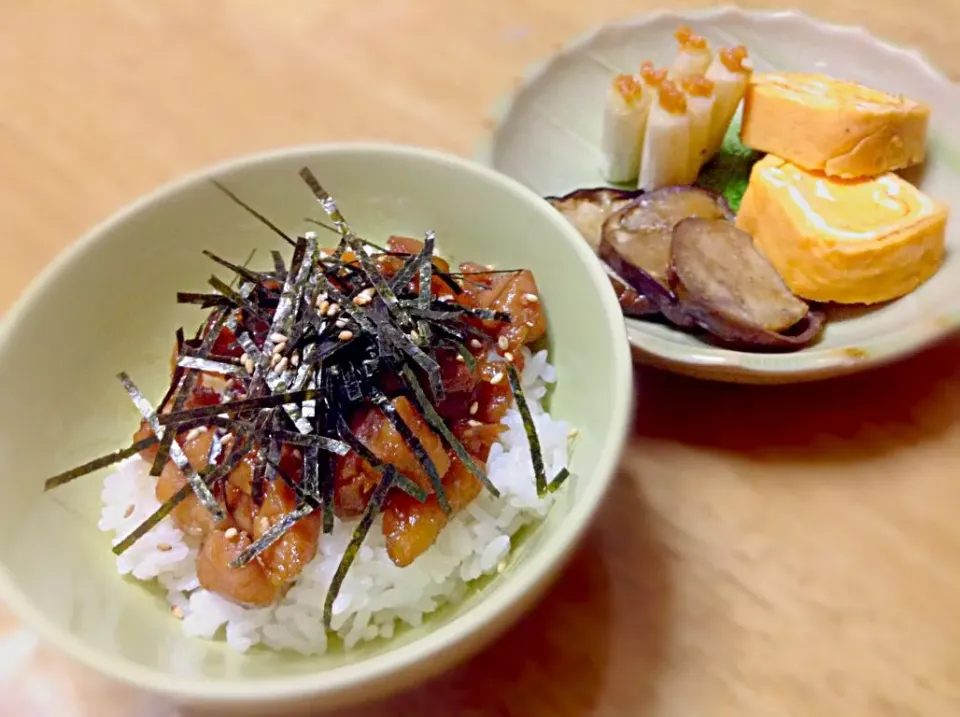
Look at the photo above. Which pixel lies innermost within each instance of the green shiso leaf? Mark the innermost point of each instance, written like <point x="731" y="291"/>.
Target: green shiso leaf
<point x="728" y="172"/>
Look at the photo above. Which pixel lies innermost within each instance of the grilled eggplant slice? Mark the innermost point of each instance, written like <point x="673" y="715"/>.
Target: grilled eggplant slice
<point x="727" y="286"/>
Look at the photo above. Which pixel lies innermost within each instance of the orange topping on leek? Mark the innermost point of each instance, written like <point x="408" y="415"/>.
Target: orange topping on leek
<point x="651" y="75"/>
<point x="689" y="40"/>
<point x="697" y="86"/>
<point x="628" y="88"/>
<point x="733" y="58"/>
<point x="672" y="99"/>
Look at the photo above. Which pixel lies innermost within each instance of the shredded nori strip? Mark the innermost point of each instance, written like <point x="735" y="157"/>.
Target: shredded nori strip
<point x="401" y="482"/>
<point x="324" y="443"/>
<point x="238" y="299"/>
<point x="311" y="471"/>
<point x="177" y="373"/>
<point x="530" y="428"/>
<point x="159" y="514"/>
<point x="271" y="536"/>
<point x="205" y="301"/>
<point x="222" y="367"/>
<point x="238" y="406"/>
<point x="185" y="387"/>
<point x="241" y="271"/>
<point x="558" y="480"/>
<point x="468" y="358"/>
<point x="277" y="230"/>
<point x="200" y="489"/>
<point x="413" y="443"/>
<point x="376" y="279"/>
<point x="445" y="310"/>
<point x="97" y="463"/>
<point x="324" y="225"/>
<point x="412" y="266"/>
<point x="359" y="534"/>
<point x="433" y="418"/>
<point x="279" y="267"/>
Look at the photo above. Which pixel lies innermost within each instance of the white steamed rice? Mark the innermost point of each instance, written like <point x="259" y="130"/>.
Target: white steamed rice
<point x="376" y="596"/>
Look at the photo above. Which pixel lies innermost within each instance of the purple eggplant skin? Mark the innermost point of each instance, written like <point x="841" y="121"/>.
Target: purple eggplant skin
<point x="635" y="241"/>
<point x="728" y="288"/>
<point x="588" y="208"/>
<point x="632" y="304"/>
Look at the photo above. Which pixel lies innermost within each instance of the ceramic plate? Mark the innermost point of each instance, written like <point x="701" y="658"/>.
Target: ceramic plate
<point x="547" y="136"/>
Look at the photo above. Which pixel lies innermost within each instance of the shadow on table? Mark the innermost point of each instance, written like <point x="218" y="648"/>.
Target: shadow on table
<point x="593" y="646"/>
<point x="849" y="418"/>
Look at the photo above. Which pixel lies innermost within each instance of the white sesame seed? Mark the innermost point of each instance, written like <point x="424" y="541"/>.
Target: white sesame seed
<point x="473" y="423"/>
<point x="474" y="344"/>
<point x="227" y="439"/>
<point x="280" y="347"/>
<point x="345" y="335"/>
<point x="230" y="533"/>
<point x="310" y="234"/>
<point x="274" y="360"/>
<point x="282" y="365"/>
<point x="164" y="547"/>
<point x="333" y="310"/>
<point x="446" y="297"/>
<point x="474" y="407"/>
<point x="324" y="253"/>
<point x="497" y="378"/>
<point x="460" y="358"/>
<point x="361" y="300"/>
<point x="573" y="433"/>
<point x="177" y="612"/>
<point x="278" y="338"/>
<point x="295" y="360"/>
<point x="508" y="356"/>
<point x="490" y="267"/>
<point x="414" y="336"/>
<point x="531" y="298"/>
<point x="502" y="343"/>
<point x="129" y="511"/>
<point x="322" y="306"/>
<point x="193" y="433"/>
<point x="340" y="323"/>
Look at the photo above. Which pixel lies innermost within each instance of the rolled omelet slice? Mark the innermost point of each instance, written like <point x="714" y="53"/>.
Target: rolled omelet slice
<point x="839" y="128"/>
<point x="845" y="241"/>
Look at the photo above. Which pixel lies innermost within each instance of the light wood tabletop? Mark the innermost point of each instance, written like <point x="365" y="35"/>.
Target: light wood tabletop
<point x="765" y="551"/>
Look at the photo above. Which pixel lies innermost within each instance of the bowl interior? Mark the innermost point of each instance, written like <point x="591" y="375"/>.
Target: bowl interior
<point x="549" y="138"/>
<point x="108" y="305"/>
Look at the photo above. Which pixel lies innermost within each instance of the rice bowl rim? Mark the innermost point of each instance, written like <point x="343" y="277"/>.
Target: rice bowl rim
<point x="520" y="588"/>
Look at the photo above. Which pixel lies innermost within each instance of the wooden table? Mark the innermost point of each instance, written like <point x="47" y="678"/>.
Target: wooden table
<point x="766" y="551"/>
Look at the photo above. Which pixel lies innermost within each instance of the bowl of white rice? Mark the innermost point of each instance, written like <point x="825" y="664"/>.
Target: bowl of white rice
<point x="106" y="305"/>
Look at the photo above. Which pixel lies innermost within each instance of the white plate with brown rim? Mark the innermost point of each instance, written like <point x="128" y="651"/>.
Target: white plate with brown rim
<point x="546" y="134"/>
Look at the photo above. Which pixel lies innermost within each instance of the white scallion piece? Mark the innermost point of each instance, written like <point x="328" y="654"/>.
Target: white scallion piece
<point x="624" y="123"/>
<point x="730" y="74"/>
<point x="693" y="56"/>
<point x="666" y="146"/>
<point x="699" y="92"/>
